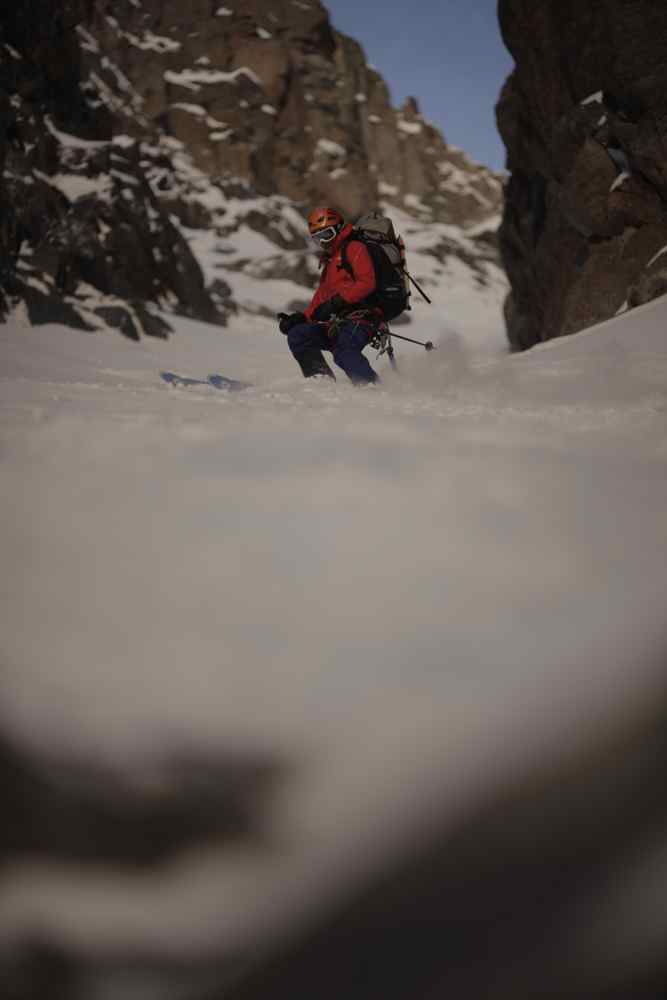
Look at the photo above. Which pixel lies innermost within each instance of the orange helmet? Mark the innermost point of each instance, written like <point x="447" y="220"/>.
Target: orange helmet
<point x="324" y="224"/>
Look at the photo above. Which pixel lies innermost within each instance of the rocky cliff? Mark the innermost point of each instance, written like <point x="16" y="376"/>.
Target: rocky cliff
<point x="141" y="142"/>
<point x="584" y="119"/>
<point x="83" y="237"/>
<point x="278" y="98"/>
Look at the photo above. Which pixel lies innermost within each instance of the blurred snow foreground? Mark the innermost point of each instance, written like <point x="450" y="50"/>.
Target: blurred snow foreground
<point x="314" y="691"/>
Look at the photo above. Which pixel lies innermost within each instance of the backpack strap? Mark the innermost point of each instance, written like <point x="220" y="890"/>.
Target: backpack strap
<point x="344" y="261"/>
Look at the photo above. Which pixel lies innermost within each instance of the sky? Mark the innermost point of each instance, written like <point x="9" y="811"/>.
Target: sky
<point x="446" y="53"/>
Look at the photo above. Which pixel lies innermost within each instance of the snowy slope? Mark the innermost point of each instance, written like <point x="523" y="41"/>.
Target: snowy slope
<point x="409" y="593"/>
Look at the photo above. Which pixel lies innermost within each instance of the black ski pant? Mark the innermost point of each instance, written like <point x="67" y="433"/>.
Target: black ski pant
<point x="308" y="340"/>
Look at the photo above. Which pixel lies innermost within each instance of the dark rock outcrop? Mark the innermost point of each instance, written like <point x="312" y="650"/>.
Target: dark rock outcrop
<point x="80" y="222"/>
<point x="80" y="811"/>
<point x="584" y="119"/>
<point x="91" y="816"/>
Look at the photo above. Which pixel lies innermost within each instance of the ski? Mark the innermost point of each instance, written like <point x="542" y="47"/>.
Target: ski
<point x="217" y="381"/>
<point x="222" y="382"/>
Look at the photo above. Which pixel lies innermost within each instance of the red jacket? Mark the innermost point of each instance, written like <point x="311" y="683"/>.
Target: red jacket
<point x="336" y="280"/>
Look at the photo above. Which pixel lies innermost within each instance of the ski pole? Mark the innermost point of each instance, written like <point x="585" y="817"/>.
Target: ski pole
<point x="428" y="345"/>
<point x="419" y="289"/>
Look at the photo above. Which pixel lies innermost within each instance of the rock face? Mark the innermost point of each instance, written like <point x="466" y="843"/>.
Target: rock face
<point x="584" y="119"/>
<point x="126" y="127"/>
<point x="84" y="239"/>
<point x="282" y="100"/>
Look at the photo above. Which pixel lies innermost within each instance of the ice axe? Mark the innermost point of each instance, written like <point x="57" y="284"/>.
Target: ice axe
<point x="419" y="289"/>
<point x="428" y="345"/>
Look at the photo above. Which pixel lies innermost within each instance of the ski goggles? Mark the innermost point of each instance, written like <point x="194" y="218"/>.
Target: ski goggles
<point x="324" y="236"/>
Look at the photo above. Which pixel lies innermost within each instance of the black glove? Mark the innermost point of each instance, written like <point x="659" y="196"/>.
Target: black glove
<point x="288" y="320"/>
<point x="326" y="310"/>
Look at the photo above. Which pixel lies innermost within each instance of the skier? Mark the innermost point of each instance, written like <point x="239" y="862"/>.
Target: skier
<point x="331" y="322"/>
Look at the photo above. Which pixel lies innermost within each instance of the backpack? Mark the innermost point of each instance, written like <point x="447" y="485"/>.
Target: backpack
<point x="387" y="251"/>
